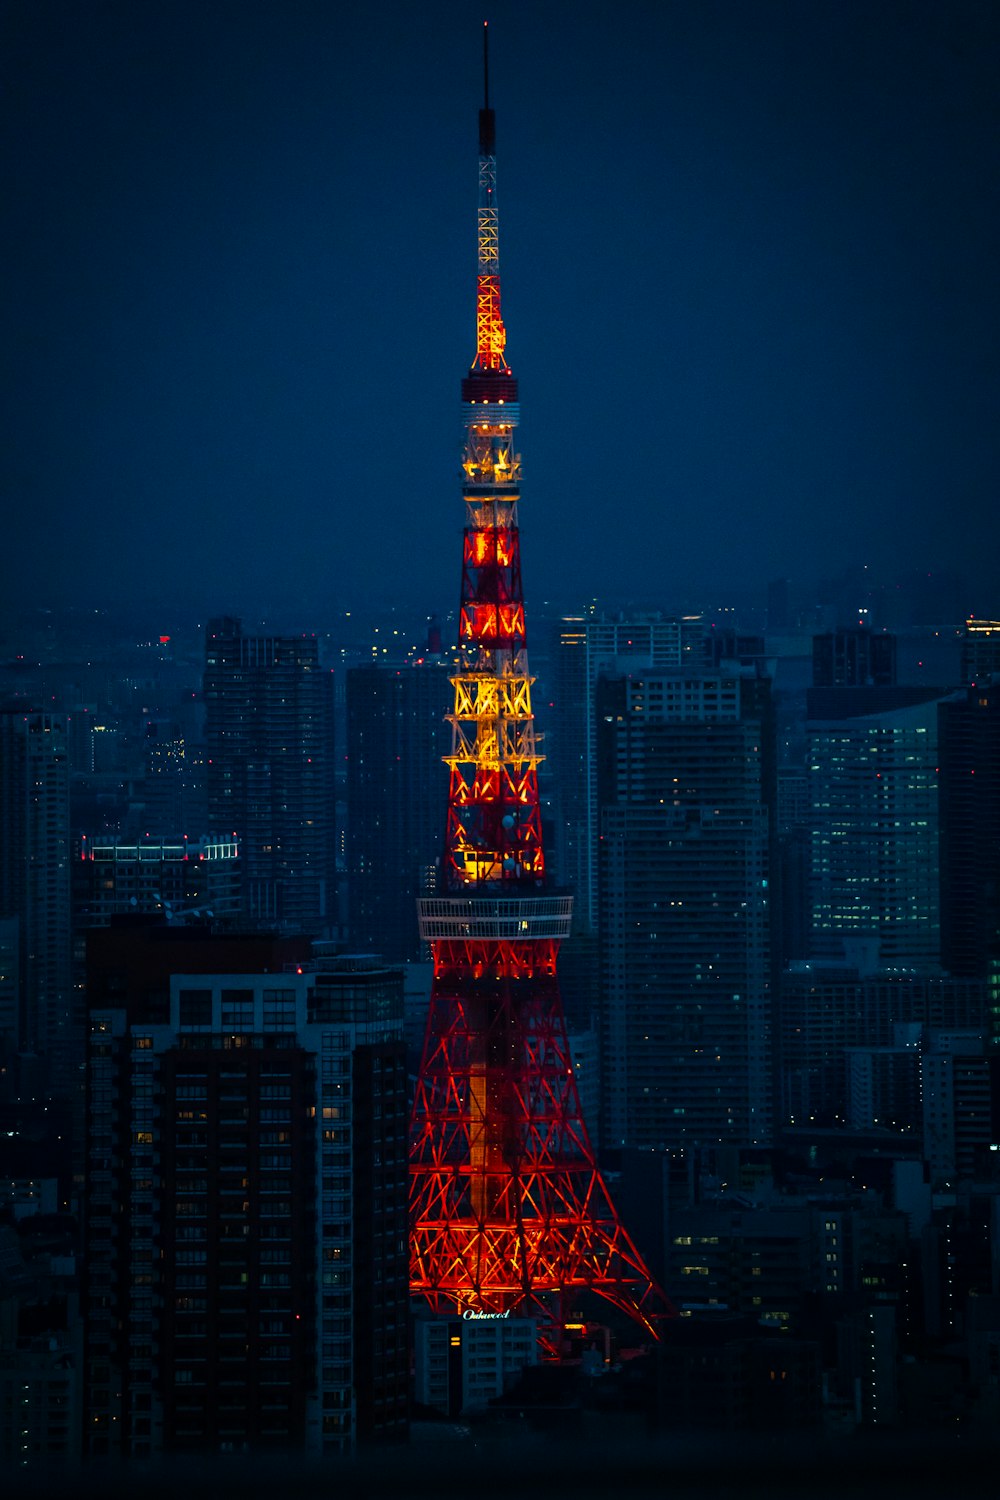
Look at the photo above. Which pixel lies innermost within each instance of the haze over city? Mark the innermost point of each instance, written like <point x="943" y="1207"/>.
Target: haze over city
<point x="749" y="281"/>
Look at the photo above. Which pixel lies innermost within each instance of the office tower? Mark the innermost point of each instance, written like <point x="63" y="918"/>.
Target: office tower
<point x="824" y="1010"/>
<point x="763" y="1263"/>
<point x="868" y="1350"/>
<point x="397" y="737"/>
<point x="854" y="657"/>
<point x="509" y="1213"/>
<point x="685" y="915"/>
<point x="730" y="1374"/>
<point x="269" y="742"/>
<point x="792" y="850"/>
<point x="246" y="1266"/>
<point x="173" y="790"/>
<point x="969" y="796"/>
<point x="35" y="882"/>
<point x="873" y="793"/>
<point x="10" y="986"/>
<point x="584" y="649"/>
<point x="40" y="1331"/>
<point x="883" y="1084"/>
<point x="39" y="1403"/>
<point x="739" y="648"/>
<point x="957" y="1097"/>
<point x="980" y="651"/>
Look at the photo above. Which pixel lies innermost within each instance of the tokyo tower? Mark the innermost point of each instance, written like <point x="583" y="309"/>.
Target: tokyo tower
<point x="509" y="1212"/>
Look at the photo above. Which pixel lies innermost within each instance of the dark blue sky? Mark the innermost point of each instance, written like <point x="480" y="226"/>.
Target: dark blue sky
<point x="749" y="254"/>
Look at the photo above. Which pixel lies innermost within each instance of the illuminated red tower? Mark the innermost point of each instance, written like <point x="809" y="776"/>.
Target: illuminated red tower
<point x="508" y="1208"/>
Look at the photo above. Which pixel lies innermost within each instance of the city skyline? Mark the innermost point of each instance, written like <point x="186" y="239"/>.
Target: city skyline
<point x="761" y="239"/>
<point x="761" y="847"/>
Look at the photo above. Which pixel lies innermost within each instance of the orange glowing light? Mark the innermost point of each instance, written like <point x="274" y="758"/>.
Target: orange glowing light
<point x="508" y="1207"/>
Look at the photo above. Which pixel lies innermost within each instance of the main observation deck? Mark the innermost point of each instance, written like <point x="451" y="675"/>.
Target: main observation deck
<point x="515" y="918"/>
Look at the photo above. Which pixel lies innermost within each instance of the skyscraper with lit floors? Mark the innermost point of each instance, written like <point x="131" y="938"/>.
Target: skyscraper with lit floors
<point x="35" y="885"/>
<point x="269" y="743"/>
<point x="397" y="736"/>
<point x="246" y="1256"/>
<point x="685" y="908"/>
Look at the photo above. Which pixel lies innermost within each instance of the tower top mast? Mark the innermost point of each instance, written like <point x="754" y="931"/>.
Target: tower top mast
<point x="487" y="120"/>
<point x="491" y="336"/>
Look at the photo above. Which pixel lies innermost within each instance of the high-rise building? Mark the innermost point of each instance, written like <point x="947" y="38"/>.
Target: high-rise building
<point x="980" y="651"/>
<point x="585" y="648"/>
<point x="39" y="1401"/>
<point x="460" y="1365"/>
<point x="824" y="1010"/>
<point x="969" y="801"/>
<point x="869" y="1352"/>
<point x="178" y="878"/>
<point x="10" y="986"/>
<point x="792" y="846"/>
<point x="174" y="798"/>
<point x="956" y="1090"/>
<point x="685" y="914"/>
<point x="883" y="1085"/>
<point x="269" y="742"/>
<point x="35" y="882"/>
<point x="854" y="657"/>
<point x="397" y="782"/>
<point x="246" y="1259"/>
<point x="873" y="793"/>
<point x="510" y="1215"/>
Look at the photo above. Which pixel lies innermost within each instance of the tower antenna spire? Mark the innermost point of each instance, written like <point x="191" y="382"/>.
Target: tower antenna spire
<point x="491" y="335"/>
<point x="487" y="119"/>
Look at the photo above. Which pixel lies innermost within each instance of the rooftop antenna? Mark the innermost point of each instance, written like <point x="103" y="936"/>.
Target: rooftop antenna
<point x="487" y="119"/>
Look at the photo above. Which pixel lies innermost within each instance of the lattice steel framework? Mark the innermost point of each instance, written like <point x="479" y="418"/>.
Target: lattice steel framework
<point x="508" y="1208"/>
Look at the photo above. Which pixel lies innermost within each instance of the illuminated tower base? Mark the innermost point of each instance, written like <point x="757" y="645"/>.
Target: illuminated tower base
<point x="508" y="1208"/>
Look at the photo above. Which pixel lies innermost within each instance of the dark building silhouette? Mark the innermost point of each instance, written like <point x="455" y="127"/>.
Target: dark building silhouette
<point x="873" y="822"/>
<point x="269" y="742"/>
<point x="727" y="644"/>
<point x="980" y="651"/>
<point x="854" y="657"/>
<point x="397" y="784"/>
<point x="792" y="840"/>
<point x="969" y="793"/>
<point x="958" y="1088"/>
<point x="172" y="876"/>
<point x="585" y="648"/>
<point x="35" y="885"/>
<point x="173" y="788"/>
<point x="246" y="1261"/>
<point x="724" y="1373"/>
<point x="826" y="1010"/>
<point x="868" y="1362"/>
<point x="685" y="775"/>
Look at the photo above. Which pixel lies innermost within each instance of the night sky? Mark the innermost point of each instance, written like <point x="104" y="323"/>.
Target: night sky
<point x="749" y="253"/>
